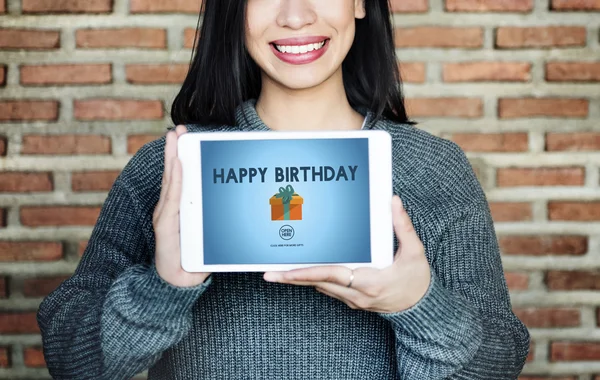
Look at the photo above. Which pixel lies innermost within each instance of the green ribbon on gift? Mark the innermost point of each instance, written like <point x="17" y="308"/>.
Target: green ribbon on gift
<point x="286" y="195"/>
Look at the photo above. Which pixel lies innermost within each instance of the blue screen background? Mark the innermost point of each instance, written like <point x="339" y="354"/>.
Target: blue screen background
<point x="237" y="216"/>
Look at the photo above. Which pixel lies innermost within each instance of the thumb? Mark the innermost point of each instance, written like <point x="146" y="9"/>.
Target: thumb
<point x="403" y="227"/>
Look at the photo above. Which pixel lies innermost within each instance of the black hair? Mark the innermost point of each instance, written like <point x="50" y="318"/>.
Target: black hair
<point x="222" y="75"/>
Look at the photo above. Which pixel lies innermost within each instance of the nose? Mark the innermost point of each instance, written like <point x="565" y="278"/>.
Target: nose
<point x="296" y="14"/>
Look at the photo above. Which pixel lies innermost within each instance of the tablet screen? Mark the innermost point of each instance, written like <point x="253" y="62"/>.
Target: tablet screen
<point x="286" y="201"/>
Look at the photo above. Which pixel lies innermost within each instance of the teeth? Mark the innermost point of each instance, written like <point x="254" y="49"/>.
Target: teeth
<point x="299" y="49"/>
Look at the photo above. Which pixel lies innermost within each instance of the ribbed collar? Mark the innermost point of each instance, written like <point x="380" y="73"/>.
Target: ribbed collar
<point x="253" y="122"/>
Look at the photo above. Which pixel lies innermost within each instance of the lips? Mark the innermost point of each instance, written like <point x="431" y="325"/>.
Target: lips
<point x="300" y="58"/>
<point x="299" y="40"/>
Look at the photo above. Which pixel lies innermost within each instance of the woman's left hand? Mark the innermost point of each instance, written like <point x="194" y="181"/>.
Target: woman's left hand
<point x="392" y="289"/>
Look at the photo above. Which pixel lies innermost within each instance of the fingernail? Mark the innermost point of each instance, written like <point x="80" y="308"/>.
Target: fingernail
<point x="271" y="277"/>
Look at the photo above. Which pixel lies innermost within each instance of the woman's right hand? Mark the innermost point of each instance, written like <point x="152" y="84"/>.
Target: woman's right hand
<point x="166" y="220"/>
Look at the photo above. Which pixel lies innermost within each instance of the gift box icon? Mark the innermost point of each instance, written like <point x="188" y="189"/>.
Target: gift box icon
<point x="286" y="205"/>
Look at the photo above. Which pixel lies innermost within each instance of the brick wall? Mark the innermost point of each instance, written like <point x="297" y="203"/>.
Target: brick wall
<point x="85" y="83"/>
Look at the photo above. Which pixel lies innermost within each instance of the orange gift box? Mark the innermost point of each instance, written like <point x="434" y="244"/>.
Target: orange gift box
<point x="278" y="208"/>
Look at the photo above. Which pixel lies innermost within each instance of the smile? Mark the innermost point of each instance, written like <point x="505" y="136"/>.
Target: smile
<point x="299" y="49"/>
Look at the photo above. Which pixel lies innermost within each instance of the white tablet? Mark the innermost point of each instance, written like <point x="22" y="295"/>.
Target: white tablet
<point x="272" y="201"/>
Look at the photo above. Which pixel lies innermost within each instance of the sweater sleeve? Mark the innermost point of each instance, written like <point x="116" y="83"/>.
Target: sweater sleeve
<point x="115" y="315"/>
<point x="463" y="327"/>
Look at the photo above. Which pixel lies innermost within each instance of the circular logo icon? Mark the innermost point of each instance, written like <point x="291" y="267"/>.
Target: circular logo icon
<point x="286" y="232"/>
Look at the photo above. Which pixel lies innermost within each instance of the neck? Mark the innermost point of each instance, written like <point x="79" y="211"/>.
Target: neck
<point x="323" y="107"/>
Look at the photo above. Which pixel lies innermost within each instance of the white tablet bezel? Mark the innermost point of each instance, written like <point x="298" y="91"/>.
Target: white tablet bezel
<point x="380" y="191"/>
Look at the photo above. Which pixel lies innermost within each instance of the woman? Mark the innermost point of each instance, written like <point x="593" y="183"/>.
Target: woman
<point x="440" y="311"/>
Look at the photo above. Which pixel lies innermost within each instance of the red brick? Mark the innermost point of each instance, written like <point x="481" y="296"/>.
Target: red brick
<point x="489" y="5"/>
<point x="188" y="37"/>
<point x="492" y="142"/>
<point x="573" y="280"/>
<point x="511" y="212"/>
<point x="540" y="37"/>
<point x="59" y="216"/>
<point x="28" y="110"/>
<point x="574" y="211"/>
<point x="30" y="251"/>
<point x="18" y="323"/>
<point x="487" y="71"/>
<point x="19" y="182"/>
<point x="412" y="72"/>
<point x="165" y="6"/>
<point x="517" y="281"/>
<point x="438" y="37"/>
<point x="34" y="357"/>
<point x="66" y="6"/>
<point x="445" y="107"/>
<point x="3" y="70"/>
<point x="549" y="317"/>
<point x="2" y="11"/>
<point x="574" y="351"/>
<point x="156" y="74"/>
<point x="509" y="108"/>
<point x="81" y="246"/>
<point x="413" y="6"/>
<point x="41" y="287"/>
<point x="135" y="142"/>
<point x="29" y="39"/>
<point x="573" y="71"/>
<point x="93" y="181"/>
<point x="118" y="109"/>
<point x="576" y="141"/>
<point x="122" y="38"/>
<point x="543" y="245"/>
<point x="3" y="144"/>
<point x="66" y="74"/>
<point x="2" y="218"/>
<point x="5" y="357"/>
<point x="66" y="144"/>
<point x="3" y="287"/>
<point x="511" y="177"/>
<point x="575" y="5"/>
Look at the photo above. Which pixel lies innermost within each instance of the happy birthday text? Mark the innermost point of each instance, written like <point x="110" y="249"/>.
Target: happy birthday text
<point x="287" y="174"/>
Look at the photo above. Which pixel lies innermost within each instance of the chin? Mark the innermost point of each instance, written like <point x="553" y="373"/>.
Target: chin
<point x="296" y="80"/>
<point x="300" y="85"/>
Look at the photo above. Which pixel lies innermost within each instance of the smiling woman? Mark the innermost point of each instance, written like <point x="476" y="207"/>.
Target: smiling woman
<point x="254" y="50"/>
<point x="440" y="311"/>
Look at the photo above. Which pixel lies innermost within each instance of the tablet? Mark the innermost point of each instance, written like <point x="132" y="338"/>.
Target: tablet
<point x="273" y="201"/>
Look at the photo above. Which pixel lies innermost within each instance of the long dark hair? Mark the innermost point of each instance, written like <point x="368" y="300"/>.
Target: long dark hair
<point x="222" y="74"/>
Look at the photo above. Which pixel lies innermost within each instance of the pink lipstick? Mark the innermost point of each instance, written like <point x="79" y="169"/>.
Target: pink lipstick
<point x="297" y="57"/>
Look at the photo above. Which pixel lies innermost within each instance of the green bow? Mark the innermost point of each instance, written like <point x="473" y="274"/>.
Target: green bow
<point x="286" y="193"/>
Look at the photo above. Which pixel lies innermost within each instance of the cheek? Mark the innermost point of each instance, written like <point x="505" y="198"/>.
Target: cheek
<point x="250" y="33"/>
<point x="258" y="19"/>
<point x="341" y="19"/>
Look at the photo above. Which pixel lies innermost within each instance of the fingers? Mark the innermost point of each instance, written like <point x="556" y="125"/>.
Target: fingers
<point x="405" y="232"/>
<point x="173" y="195"/>
<point x="180" y="130"/>
<point x="170" y="152"/>
<point x="367" y="281"/>
<point x="166" y="170"/>
<point x="336" y="274"/>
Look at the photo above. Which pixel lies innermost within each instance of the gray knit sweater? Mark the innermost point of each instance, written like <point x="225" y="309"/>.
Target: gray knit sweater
<point x="115" y="317"/>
